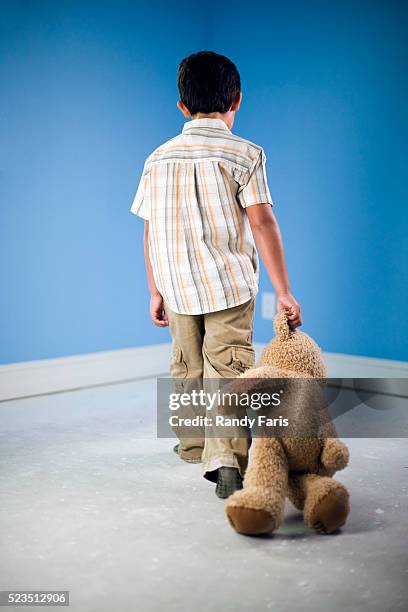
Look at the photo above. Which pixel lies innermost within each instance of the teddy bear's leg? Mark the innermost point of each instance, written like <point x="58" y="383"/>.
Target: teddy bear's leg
<point x="325" y="501"/>
<point x="258" y="507"/>
<point x="297" y="491"/>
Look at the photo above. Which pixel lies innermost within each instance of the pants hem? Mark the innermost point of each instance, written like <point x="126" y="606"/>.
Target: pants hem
<point x="212" y="466"/>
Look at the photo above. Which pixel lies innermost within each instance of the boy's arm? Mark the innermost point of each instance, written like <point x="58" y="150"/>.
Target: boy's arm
<point x="157" y="313"/>
<point x="267" y="236"/>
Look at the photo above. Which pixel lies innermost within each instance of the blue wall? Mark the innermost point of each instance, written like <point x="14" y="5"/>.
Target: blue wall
<point x="89" y="90"/>
<point x="325" y="87"/>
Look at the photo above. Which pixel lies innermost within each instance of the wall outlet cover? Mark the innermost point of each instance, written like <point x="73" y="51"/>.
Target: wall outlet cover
<point x="268" y="305"/>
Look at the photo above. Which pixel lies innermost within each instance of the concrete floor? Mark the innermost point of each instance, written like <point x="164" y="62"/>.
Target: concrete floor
<point x="92" y="502"/>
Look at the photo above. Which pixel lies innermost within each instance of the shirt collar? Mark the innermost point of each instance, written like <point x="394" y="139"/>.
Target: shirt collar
<point x="206" y="122"/>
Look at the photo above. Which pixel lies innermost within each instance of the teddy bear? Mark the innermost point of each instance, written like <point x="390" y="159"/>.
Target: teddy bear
<point x="300" y="468"/>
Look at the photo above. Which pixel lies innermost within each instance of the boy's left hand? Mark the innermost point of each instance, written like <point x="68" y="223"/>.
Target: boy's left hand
<point x="157" y="313"/>
<point x="288" y="303"/>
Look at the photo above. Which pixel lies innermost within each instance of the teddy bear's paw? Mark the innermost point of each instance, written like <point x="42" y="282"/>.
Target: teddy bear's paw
<point x="250" y="521"/>
<point x="335" y="455"/>
<point x="255" y="510"/>
<point x="330" y="512"/>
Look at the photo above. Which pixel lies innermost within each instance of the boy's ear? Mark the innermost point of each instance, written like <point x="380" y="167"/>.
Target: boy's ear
<point x="237" y="101"/>
<point x="183" y="109"/>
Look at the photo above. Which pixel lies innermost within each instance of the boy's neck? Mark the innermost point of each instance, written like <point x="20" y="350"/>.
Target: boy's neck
<point x="227" y="118"/>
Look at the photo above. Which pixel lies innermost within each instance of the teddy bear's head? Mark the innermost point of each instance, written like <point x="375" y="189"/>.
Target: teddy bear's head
<point x="293" y="351"/>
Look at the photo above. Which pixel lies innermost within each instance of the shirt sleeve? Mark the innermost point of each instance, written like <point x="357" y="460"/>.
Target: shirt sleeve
<point x="254" y="189"/>
<point x="141" y="201"/>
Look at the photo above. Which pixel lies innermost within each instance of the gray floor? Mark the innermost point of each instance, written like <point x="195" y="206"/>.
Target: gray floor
<point x="92" y="502"/>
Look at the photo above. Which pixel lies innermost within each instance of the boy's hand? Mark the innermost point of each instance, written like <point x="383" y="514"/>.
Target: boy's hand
<point x="287" y="302"/>
<point x="157" y="312"/>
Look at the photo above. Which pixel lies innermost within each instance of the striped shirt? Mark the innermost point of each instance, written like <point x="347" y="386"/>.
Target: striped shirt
<point x="193" y="191"/>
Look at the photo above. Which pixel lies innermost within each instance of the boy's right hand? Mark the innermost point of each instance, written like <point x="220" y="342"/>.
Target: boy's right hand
<point x="287" y="302"/>
<point x="157" y="312"/>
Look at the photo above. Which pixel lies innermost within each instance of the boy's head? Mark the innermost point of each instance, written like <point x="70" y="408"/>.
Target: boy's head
<point x="208" y="84"/>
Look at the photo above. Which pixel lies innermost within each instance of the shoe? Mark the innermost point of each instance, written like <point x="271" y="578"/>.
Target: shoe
<point x="229" y="480"/>
<point x="176" y="450"/>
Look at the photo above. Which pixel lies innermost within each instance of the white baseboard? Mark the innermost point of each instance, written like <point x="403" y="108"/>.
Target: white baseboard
<point x="79" y="371"/>
<point x="354" y="366"/>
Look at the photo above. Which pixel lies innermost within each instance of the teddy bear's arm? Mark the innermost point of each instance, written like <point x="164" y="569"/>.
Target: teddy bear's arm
<point x="257" y="379"/>
<point x="334" y="455"/>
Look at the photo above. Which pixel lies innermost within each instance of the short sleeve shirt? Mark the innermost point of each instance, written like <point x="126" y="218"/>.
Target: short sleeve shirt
<point x="194" y="190"/>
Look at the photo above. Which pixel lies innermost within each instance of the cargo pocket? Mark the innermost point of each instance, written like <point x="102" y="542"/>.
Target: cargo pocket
<point x="178" y="367"/>
<point x="243" y="358"/>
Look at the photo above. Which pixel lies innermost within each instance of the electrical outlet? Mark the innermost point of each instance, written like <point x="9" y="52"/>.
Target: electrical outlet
<point x="268" y="305"/>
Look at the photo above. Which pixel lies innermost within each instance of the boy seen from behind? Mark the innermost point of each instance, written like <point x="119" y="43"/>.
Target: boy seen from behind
<point x="207" y="210"/>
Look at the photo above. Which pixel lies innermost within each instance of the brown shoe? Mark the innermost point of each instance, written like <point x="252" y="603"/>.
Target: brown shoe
<point x="176" y="449"/>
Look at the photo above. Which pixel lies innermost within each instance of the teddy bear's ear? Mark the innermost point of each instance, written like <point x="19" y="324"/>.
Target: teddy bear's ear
<point x="282" y="329"/>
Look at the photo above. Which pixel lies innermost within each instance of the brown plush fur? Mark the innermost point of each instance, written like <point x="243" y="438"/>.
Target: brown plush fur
<point x="300" y="468"/>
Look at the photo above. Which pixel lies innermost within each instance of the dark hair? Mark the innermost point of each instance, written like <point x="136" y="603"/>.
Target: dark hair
<point x="208" y="82"/>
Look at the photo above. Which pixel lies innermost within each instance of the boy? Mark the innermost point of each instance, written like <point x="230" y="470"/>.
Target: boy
<point x="206" y="203"/>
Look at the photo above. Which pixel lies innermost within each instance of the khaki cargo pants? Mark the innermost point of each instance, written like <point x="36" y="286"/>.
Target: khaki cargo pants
<point x="210" y="346"/>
